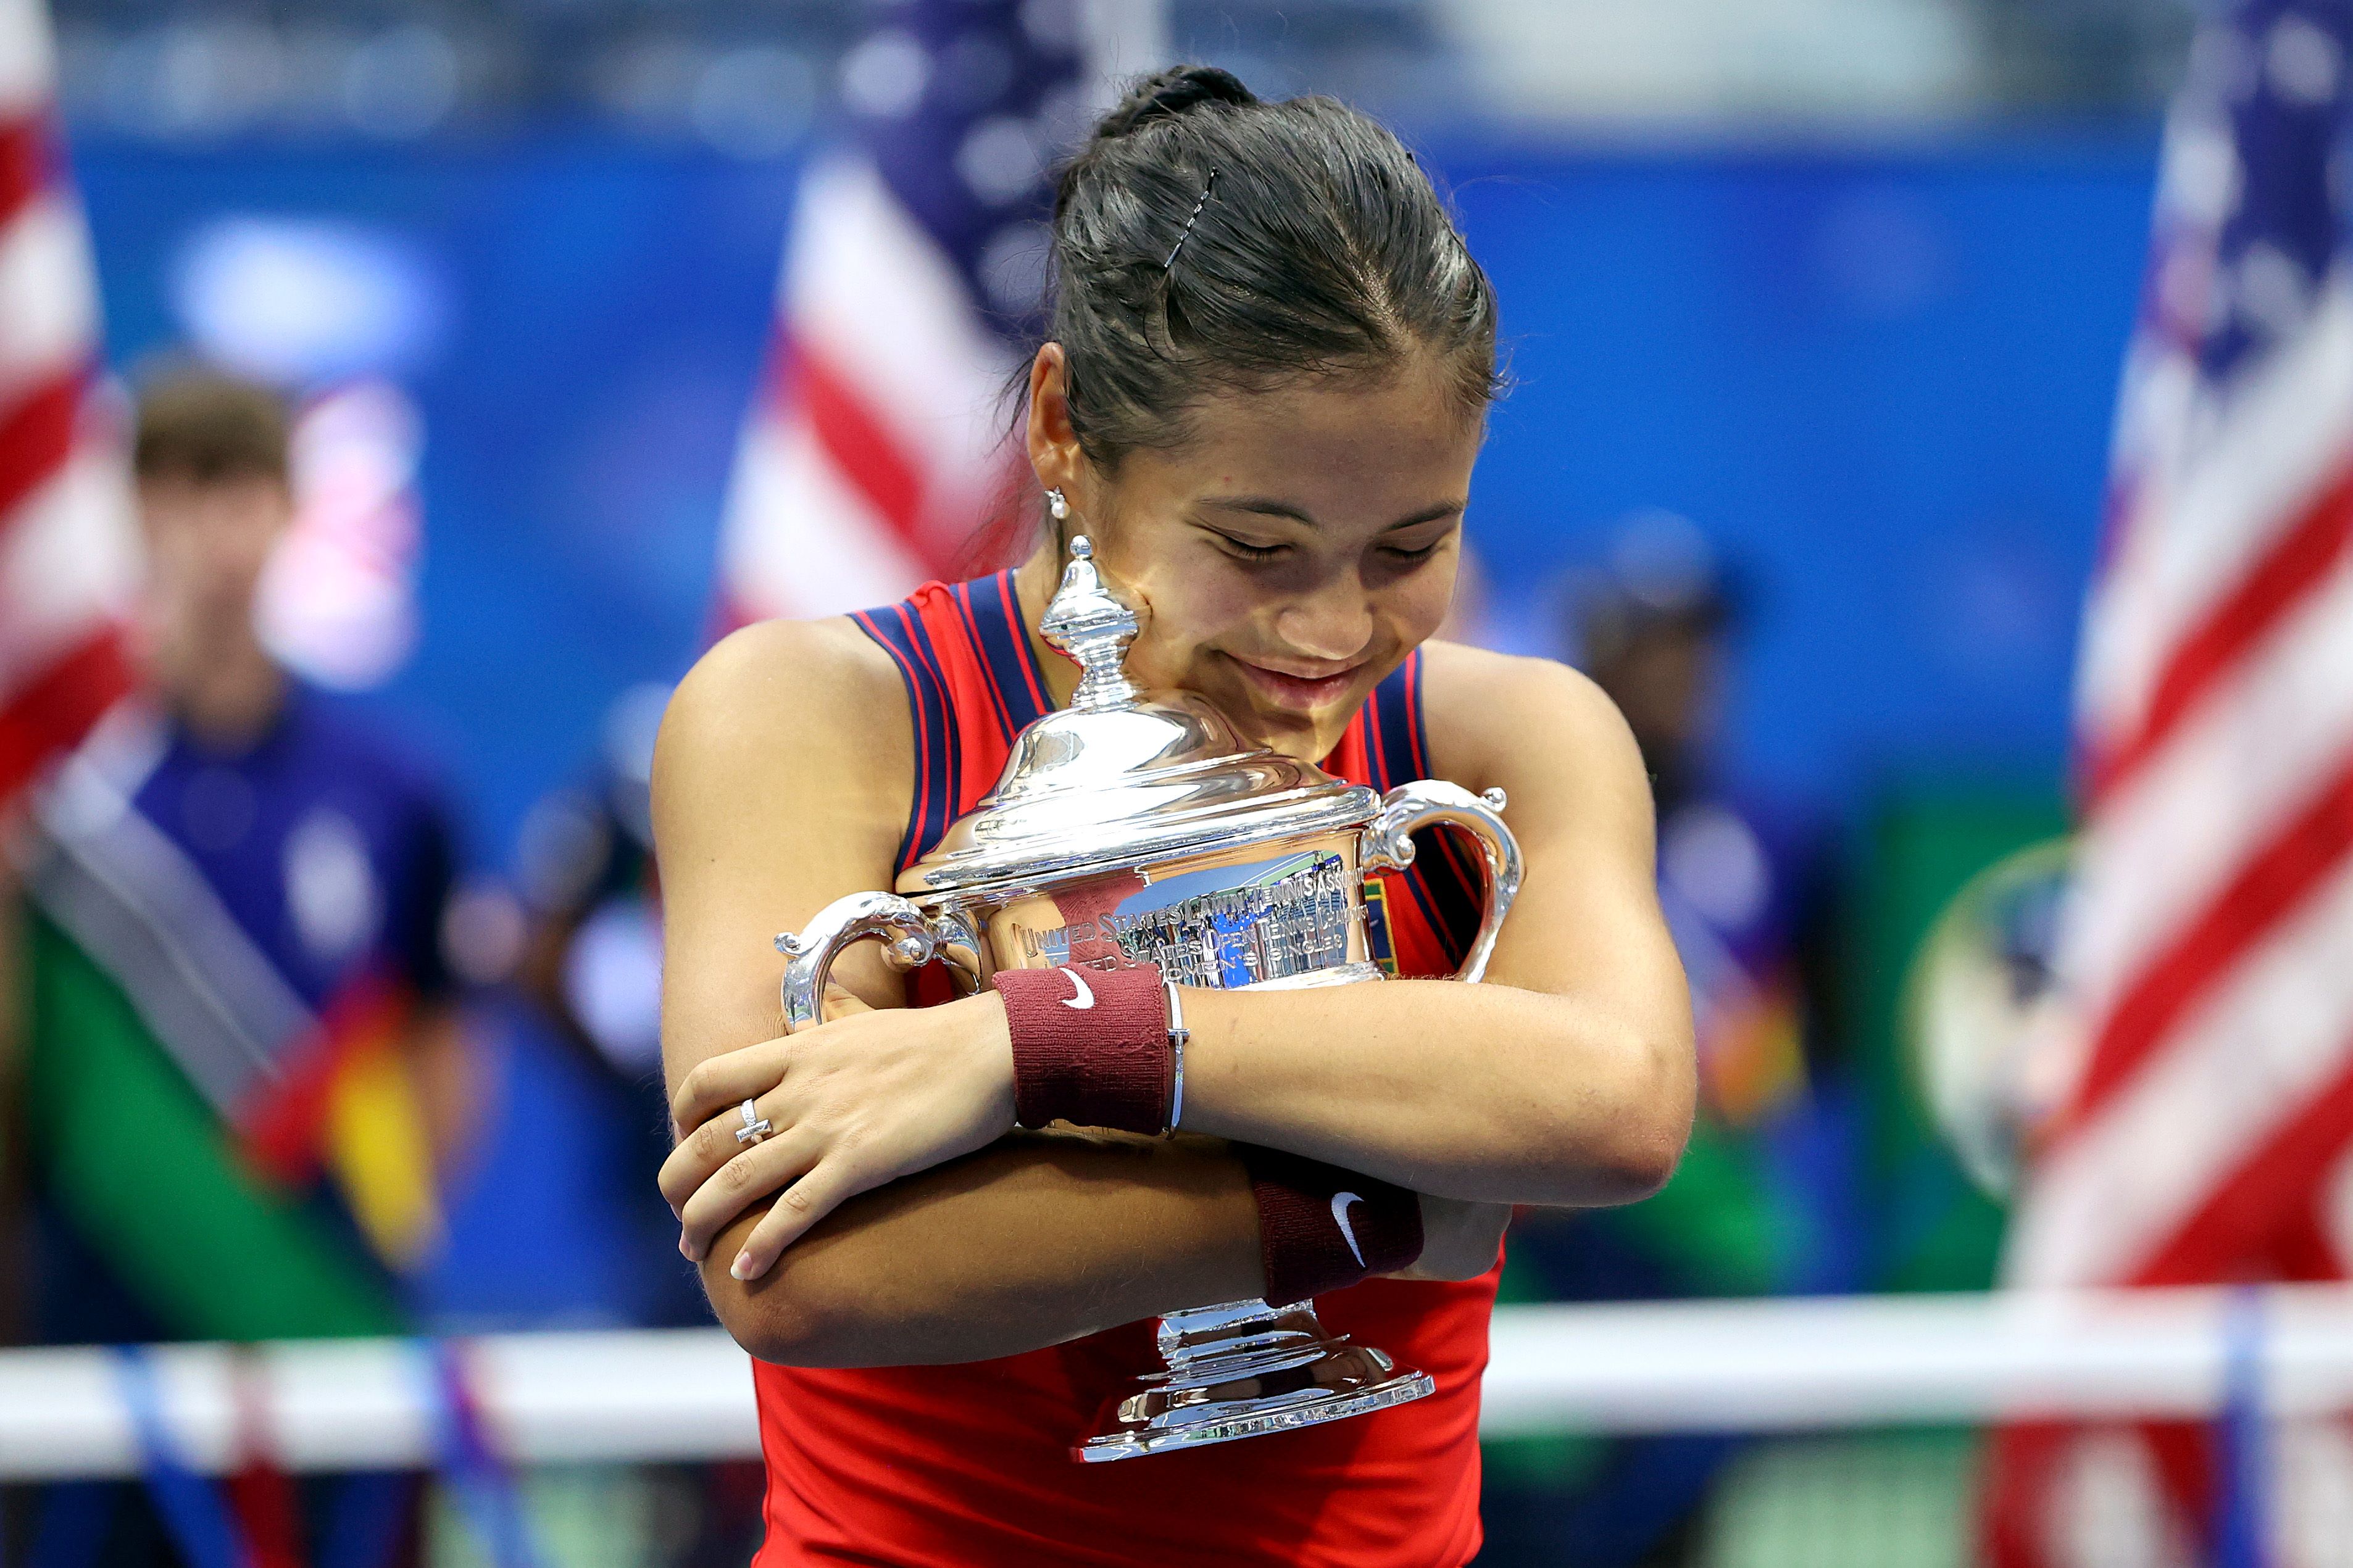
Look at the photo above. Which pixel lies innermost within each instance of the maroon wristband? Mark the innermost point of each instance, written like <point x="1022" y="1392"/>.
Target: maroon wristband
<point x="1090" y="1046"/>
<point x="1321" y="1228"/>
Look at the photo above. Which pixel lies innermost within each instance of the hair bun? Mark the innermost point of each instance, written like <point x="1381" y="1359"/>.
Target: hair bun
<point x="1166" y="94"/>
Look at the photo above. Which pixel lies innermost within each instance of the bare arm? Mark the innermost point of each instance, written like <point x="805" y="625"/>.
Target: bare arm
<point x="766" y="808"/>
<point x="1568" y="1078"/>
<point x="1039" y="1238"/>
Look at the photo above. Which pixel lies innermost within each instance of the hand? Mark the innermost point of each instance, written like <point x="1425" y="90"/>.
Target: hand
<point x="854" y="1104"/>
<point x="1459" y="1238"/>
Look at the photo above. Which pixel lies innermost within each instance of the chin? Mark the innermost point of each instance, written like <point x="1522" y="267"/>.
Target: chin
<point x="1308" y="736"/>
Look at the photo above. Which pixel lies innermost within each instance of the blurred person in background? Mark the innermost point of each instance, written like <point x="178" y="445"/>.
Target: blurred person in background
<point x="588" y="973"/>
<point x="242" y="1071"/>
<point x="1756" y="1206"/>
<point x="590" y="966"/>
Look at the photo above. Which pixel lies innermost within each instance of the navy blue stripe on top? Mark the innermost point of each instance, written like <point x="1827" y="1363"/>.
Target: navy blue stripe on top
<point x="1457" y="884"/>
<point x="1388" y="738"/>
<point x="995" y="611"/>
<point x="938" y="756"/>
<point x="1393" y="743"/>
<point x="1386" y="715"/>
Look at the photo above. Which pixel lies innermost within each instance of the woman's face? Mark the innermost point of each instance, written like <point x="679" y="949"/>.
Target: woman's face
<point x="1291" y="553"/>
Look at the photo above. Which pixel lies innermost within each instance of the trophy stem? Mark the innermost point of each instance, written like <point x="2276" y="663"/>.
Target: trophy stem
<point x="1242" y="1369"/>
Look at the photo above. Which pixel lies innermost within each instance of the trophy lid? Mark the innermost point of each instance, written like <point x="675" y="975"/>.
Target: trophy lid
<point x="1122" y="777"/>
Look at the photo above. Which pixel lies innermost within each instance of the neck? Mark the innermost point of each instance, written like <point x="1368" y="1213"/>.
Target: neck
<point x="226" y="693"/>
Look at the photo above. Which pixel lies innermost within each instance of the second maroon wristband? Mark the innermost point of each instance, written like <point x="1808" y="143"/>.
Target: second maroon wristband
<point x="1090" y="1046"/>
<point x="1320" y="1228"/>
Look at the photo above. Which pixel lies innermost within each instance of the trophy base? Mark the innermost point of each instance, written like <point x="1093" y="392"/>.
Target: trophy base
<point x="1244" y="1369"/>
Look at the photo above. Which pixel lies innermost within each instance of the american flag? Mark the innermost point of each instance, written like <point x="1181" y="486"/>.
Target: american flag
<point x="64" y="539"/>
<point x="875" y="451"/>
<point x="2206" y="1130"/>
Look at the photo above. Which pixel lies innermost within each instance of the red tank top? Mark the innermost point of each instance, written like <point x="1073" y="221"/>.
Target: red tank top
<point x="970" y="1464"/>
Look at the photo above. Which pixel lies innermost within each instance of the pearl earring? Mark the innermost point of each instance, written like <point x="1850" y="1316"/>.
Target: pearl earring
<point x="1058" y="506"/>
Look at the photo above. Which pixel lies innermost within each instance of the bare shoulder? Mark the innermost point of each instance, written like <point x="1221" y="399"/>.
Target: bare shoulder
<point x="1496" y="711"/>
<point x="779" y="678"/>
<point x="1552" y="741"/>
<point x="805" y="717"/>
<point x="781" y="781"/>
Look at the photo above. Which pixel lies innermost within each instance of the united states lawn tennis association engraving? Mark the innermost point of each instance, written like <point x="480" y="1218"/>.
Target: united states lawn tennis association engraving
<point x="1291" y="917"/>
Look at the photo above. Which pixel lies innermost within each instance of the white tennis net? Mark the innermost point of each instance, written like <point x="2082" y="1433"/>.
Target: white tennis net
<point x="1863" y="1407"/>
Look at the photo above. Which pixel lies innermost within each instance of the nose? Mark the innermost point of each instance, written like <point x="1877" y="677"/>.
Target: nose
<point x="1334" y="623"/>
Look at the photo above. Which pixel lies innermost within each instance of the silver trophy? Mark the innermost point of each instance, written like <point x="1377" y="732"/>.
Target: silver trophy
<point x="1130" y="826"/>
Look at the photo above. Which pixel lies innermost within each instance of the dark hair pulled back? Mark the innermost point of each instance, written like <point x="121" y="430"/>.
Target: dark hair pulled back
<point x="1206" y="238"/>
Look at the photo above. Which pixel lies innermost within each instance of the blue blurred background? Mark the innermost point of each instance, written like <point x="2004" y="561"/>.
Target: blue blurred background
<point x="1879" y="377"/>
<point x="1859" y="323"/>
<point x="1843" y="284"/>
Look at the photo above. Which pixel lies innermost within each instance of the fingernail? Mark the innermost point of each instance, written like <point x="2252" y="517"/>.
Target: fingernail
<point x="741" y="1266"/>
<point x="685" y="1251"/>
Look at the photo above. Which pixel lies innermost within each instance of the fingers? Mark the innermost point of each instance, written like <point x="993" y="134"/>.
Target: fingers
<point x="705" y="1151"/>
<point x="724" y="1082"/>
<point x="834" y="1182"/>
<point x="761" y="1169"/>
<point x="841" y="999"/>
<point x="728" y="1079"/>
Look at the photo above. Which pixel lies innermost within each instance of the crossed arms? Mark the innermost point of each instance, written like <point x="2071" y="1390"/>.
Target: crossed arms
<point x="1567" y="1080"/>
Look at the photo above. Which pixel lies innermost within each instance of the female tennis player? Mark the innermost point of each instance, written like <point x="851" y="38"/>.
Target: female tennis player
<point x="1263" y="388"/>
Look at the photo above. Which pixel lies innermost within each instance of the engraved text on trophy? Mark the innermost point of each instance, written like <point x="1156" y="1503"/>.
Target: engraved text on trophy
<point x="1237" y="925"/>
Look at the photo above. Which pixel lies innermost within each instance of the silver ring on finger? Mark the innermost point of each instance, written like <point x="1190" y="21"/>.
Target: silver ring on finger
<point x="755" y="1126"/>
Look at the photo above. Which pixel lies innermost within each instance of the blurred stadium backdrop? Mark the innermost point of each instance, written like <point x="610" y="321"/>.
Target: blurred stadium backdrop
<point x="1816" y="314"/>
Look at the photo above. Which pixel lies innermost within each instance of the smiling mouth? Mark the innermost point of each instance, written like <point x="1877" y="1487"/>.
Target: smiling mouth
<point x="1294" y="693"/>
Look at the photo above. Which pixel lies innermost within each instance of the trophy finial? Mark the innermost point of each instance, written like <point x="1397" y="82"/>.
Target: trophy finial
<point x="1088" y="624"/>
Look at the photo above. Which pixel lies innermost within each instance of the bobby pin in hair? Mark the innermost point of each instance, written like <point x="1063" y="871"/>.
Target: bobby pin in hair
<point x="1190" y="222"/>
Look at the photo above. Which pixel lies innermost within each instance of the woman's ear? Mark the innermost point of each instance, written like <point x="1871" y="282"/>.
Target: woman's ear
<point x="1052" y="444"/>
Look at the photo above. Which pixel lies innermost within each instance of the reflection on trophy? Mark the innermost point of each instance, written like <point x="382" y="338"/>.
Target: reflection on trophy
<point x="1131" y="827"/>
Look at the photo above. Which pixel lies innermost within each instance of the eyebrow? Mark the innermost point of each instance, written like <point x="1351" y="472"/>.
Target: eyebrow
<point x="1267" y="506"/>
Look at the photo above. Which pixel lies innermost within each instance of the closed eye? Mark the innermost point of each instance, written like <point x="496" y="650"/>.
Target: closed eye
<point x="1409" y="554"/>
<point x="1244" y="551"/>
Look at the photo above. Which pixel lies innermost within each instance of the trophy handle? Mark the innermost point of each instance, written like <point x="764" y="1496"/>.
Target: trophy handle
<point x="911" y="940"/>
<point x="1433" y="802"/>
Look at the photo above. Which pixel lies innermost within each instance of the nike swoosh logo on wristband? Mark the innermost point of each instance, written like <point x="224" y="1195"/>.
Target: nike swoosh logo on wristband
<point x="1340" y="1202"/>
<point x="1084" y="996"/>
